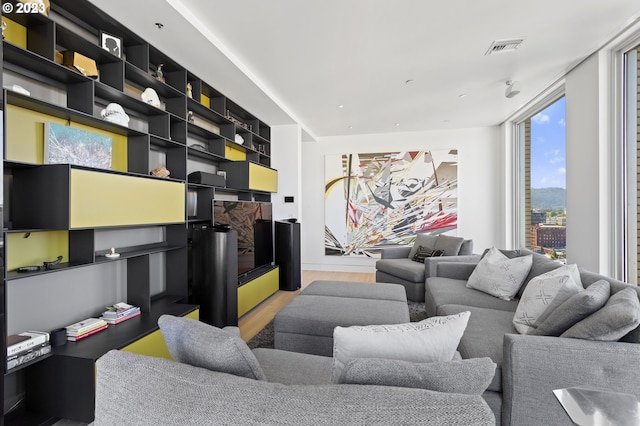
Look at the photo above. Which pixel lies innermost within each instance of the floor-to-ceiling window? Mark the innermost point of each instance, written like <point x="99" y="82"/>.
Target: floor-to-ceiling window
<point x="541" y="139"/>
<point x="631" y="134"/>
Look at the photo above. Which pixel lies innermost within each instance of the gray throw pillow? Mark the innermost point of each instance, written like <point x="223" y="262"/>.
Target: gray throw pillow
<point x="575" y="309"/>
<point x="617" y="317"/>
<point x="201" y="345"/>
<point x="425" y="240"/>
<point x="469" y="376"/>
<point x="449" y="245"/>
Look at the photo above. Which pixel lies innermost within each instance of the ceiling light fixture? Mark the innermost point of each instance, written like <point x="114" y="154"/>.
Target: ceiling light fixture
<point x="511" y="91"/>
<point x="159" y="25"/>
<point x="408" y="81"/>
<point x="340" y="106"/>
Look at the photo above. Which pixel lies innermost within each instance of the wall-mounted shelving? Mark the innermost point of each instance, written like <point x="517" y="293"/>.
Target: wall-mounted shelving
<point x="71" y="210"/>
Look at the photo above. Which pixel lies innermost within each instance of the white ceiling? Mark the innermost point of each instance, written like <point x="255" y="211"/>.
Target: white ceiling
<point x="292" y="61"/>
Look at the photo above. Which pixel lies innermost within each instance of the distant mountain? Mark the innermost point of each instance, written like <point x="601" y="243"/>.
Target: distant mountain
<point x="548" y="198"/>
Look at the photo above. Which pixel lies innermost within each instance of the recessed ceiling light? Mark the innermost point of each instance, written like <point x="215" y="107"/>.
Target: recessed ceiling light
<point x="340" y="106"/>
<point x="159" y="25"/>
<point x="397" y="124"/>
<point x="408" y="81"/>
<point x="351" y="127"/>
<point x="462" y="95"/>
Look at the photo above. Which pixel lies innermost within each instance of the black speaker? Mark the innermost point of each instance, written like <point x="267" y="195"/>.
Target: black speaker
<point x="288" y="254"/>
<point x="214" y="274"/>
<point x="207" y="179"/>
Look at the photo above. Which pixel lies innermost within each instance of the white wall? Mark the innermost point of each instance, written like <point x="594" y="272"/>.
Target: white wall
<point x="589" y="171"/>
<point x="480" y="192"/>
<point x="286" y="157"/>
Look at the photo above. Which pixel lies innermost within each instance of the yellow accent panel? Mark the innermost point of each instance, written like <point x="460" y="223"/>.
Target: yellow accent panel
<point x="15" y="33"/>
<point x="262" y="178"/>
<point x="234" y="153"/>
<point x="153" y="344"/>
<point x="25" y="137"/>
<point x="205" y="100"/>
<point x="37" y="248"/>
<point x="105" y="199"/>
<point x="254" y="292"/>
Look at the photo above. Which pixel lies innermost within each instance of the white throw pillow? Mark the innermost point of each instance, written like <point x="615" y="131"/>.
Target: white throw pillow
<point x="544" y="294"/>
<point x="434" y="339"/>
<point x="498" y="275"/>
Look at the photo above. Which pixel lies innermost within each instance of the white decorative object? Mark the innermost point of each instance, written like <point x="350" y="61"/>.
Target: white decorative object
<point x="432" y="340"/>
<point x="239" y="139"/>
<point x="151" y="97"/>
<point x="112" y="254"/>
<point x="114" y="113"/>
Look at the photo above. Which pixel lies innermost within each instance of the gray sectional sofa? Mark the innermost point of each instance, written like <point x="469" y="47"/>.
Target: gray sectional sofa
<point x="218" y="380"/>
<point x="530" y="367"/>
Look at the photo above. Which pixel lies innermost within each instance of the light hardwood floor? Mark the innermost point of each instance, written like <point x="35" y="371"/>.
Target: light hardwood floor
<point x="255" y="320"/>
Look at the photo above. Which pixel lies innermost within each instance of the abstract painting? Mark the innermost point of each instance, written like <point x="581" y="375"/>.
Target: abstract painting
<point x="373" y="200"/>
<point x="68" y="145"/>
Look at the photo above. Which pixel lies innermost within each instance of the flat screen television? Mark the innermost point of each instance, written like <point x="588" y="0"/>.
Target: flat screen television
<point x="253" y="222"/>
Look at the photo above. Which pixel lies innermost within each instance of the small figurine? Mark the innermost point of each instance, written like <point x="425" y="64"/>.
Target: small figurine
<point x="160" y="73"/>
<point x="151" y="97"/>
<point x="160" y="171"/>
<point x="190" y="117"/>
<point x="112" y="254"/>
<point x="189" y="91"/>
<point x="114" y="113"/>
<point x="4" y="27"/>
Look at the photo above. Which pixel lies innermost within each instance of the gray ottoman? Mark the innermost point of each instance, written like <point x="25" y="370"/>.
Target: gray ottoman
<point x="306" y="324"/>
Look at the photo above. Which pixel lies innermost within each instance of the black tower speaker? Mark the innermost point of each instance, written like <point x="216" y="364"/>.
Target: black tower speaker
<point x="214" y="277"/>
<point x="288" y="254"/>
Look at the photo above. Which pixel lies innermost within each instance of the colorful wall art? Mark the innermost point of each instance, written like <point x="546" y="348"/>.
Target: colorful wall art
<point x="375" y="200"/>
<point x="65" y="144"/>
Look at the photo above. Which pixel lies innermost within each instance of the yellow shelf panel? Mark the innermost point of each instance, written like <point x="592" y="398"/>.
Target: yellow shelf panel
<point x="105" y="199"/>
<point x="153" y="343"/>
<point x="15" y="33"/>
<point x="205" y="100"/>
<point x="25" y="137"/>
<point x="255" y="292"/>
<point x="262" y="178"/>
<point x="234" y="153"/>
<point x="34" y="248"/>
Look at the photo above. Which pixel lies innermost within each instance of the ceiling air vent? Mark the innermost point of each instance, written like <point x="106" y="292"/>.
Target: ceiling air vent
<point x="502" y="46"/>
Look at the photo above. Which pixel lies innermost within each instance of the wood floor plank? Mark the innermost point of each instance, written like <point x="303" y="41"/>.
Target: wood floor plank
<point x="255" y="320"/>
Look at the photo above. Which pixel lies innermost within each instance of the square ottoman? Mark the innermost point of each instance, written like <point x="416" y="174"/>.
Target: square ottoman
<point x="306" y="324"/>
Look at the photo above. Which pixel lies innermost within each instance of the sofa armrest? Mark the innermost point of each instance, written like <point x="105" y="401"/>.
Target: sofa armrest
<point x="395" y="252"/>
<point x="455" y="270"/>
<point x="533" y="366"/>
<point x="432" y="268"/>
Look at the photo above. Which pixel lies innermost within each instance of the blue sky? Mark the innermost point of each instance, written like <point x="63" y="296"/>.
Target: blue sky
<point x="548" y="147"/>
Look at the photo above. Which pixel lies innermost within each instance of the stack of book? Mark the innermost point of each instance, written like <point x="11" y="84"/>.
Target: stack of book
<point x="120" y="312"/>
<point x="85" y="328"/>
<point x="27" y="346"/>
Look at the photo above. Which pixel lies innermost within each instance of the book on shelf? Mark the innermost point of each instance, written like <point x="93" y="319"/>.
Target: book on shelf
<point x="28" y="355"/>
<point x="87" y="334"/>
<point x="119" y="310"/>
<point x="20" y="342"/>
<point x="121" y="319"/>
<point x="26" y="351"/>
<point x="84" y="326"/>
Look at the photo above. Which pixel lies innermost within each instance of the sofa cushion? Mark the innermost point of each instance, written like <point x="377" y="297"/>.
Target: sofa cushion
<point x="576" y="308"/>
<point x="424" y="240"/>
<point x="406" y="269"/>
<point x="294" y="368"/>
<point x="201" y="345"/>
<point x="469" y="376"/>
<point x="430" y="340"/>
<point x="616" y="318"/>
<point x="483" y="336"/>
<point x="357" y="290"/>
<point x="539" y="265"/>
<point x="543" y="295"/>
<point x="448" y="291"/>
<point x="449" y="245"/>
<point x="498" y="275"/>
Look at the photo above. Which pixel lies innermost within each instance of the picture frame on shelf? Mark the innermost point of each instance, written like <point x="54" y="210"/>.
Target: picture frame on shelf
<point x="111" y="43"/>
<point x="68" y="145"/>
